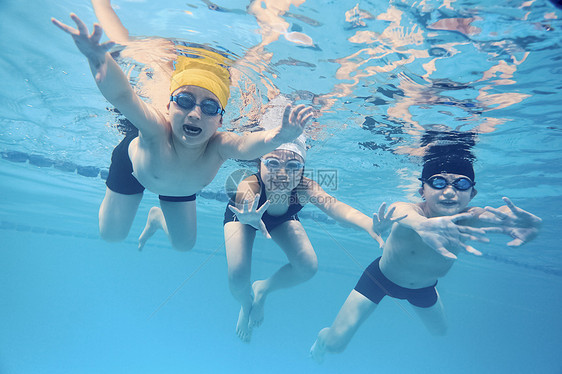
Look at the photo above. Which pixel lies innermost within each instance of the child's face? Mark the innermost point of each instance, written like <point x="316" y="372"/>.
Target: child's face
<point x="281" y="170"/>
<point x="193" y="126"/>
<point x="449" y="200"/>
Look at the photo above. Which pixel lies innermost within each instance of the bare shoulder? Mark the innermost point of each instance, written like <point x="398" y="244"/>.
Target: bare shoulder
<point x="308" y="184"/>
<point x="223" y="142"/>
<point x="400" y="206"/>
<point x="247" y="189"/>
<point x="219" y="141"/>
<point x="250" y="182"/>
<point x="308" y="187"/>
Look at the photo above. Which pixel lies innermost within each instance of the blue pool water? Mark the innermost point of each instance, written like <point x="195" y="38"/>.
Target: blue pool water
<point x="379" y="73"/>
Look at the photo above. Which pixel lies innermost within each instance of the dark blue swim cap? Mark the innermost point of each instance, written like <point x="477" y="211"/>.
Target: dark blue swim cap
<point x="452" y="165"/>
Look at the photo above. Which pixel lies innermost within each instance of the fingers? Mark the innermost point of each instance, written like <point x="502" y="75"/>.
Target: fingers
<point x="516" y="210"/>
<point x="234" y="209"/>
<point x="82" y="29"/>
<point x="301" y="114"/>
<point x="399" y="218"/>
<point x="472" y="250"/>
<point x="461" y="216"/>
<point x="483" y="239"/>
<point x="97" y="33"/>
<point x="494" y="230"/>
<point x="520" y="213"/>
<point x="382" y="208"/>
<point x="287" y="114"/>
<point x="263" y="207"/>
<point x="64" y="27"/>
<point x="515" y="242"/>
<point x="256" y="202"/>
<point x="498" y="213"/>
<point x="471" y="230"/>
<point x="445" y="253"/>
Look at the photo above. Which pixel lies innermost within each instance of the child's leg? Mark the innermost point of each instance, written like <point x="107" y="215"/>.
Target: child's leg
<point x="110" y="22"/>
<point x="116" y="215"/>
<point x="302" y="266"/>
<point x="239" y="240"/>
<point x="433" y="317"/>
<point x="178" y="219"/>
<point x="335" y="339"/>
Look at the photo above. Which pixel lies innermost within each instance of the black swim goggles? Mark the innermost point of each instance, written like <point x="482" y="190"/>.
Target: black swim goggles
<point x="437" y="182"/>
<point x="274" y="164"/>
<point x="187" y="101"/>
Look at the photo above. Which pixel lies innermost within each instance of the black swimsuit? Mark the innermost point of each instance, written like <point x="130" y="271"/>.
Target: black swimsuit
<point x="270" y="221"/>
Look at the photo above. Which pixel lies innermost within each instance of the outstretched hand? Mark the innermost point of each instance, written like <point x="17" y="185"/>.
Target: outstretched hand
<point x="88" y="44"/>
<point x="252" y="215"/>
<point x="294" y="121"/>
<point x="521" y="225"/>
<point x="383" y="221"/>
<point x="441" y="233"/>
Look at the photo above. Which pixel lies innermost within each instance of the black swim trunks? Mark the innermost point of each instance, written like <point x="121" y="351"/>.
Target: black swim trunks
<point x="120" y="178"/>
<point x="374" y="286"/>
<point x="270" y="221"/>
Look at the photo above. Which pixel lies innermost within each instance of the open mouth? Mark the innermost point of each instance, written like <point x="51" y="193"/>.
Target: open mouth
<point x="448" y="203"/>
<point x="191" y="130"/>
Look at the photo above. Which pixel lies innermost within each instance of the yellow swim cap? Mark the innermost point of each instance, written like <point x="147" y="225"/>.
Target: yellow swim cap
<point x="202" y="68"/>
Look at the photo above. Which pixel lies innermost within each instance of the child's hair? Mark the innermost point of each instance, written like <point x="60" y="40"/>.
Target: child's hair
<point x="448" y="152"/>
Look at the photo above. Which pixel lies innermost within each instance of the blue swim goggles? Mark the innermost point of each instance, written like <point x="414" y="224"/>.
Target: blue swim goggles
<point x="437" y="182"/>
<point x="274" y="164"/>
<point x="187" y="101"/>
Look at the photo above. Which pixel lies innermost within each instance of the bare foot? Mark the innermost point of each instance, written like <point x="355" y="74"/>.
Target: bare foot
<point x="318" y="349"/>
<point x="243" y="328"/>
<point x="153" y="223"/>
<point x="256" y="314"/>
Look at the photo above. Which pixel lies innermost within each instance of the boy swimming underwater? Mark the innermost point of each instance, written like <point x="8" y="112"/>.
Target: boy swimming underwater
<point x="176" y="152"/>
<point x="422" y="247"/>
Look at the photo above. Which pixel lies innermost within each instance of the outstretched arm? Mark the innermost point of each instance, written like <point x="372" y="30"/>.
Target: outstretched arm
<point x="111" y="80"/>
<point x="511" y="220"/>
<point x="339" y="211"/>
<point x="110" y="22"/>
<point x="256" y="144"/>
<point x="443" y="234"/>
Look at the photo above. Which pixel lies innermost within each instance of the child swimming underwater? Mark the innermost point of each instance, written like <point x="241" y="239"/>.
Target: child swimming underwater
<point x="178" y="151"/>
<point x="269" y="201"/>
<point x="422" y="248"/>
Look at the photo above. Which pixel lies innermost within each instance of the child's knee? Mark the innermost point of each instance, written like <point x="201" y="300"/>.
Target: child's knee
<point x="113" y="235"/>
<point x="238" y="278"/>
<point x="307" y="267"/>
<point x="183" y="244"/>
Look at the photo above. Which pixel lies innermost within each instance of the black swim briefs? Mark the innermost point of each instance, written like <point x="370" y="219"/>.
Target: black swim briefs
<point x="374" y="286"/>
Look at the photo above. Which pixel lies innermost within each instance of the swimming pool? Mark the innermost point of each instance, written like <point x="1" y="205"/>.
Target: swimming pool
<point x="380" y="74"/>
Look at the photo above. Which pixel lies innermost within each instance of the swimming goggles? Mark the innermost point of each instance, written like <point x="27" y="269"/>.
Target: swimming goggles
<point x="439" y="183"/>
<point x="187" y="101"/>
<point x="274" y="164"/>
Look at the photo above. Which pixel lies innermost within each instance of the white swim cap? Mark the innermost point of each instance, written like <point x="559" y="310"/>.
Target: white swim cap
<point x="273" y="117"/>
